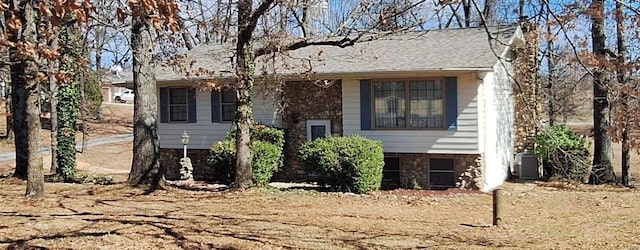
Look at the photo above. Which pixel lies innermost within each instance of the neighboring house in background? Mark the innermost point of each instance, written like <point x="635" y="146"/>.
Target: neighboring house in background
<point x="438" y="100"/>
<point x="113" y="83"/>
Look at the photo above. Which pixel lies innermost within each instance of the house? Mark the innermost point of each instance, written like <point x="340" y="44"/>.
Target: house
<point x="440" y="101"/>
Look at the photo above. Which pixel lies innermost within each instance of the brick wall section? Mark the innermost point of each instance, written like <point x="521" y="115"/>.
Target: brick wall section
<point x="307" y="101"/>
<point x="416" y="166"/>
<point x="170" y="160"/>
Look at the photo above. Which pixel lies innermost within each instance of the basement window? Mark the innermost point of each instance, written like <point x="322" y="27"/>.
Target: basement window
<point x="441" y="173"/>
<point x="391" y="173"/>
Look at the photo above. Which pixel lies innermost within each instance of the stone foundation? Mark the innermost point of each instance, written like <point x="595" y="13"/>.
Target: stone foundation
<point x="307" y="101"/>
<point x="170" y="160"/>
<point x="414" y="168"/>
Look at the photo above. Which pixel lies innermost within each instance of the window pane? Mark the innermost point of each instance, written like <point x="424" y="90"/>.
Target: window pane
<point x="178" y="96"/>
<point x="229" y="96"/>
<point x="318" y="131"/>
<point x="390" y="104"/>
<point x="391" y="173"/>
<point x="426" y="104"/>
<point x="228" y="112"/>
<point x="441" y="164"/>
<point x="442" y="180"/>
<point x="178" y="113"/>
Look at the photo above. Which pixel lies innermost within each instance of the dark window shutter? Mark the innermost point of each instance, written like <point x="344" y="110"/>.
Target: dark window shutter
<point x="164" y="105"/>
<point x="365" y="105"/>
<point x="216" y="112"/>
<point x="191" y="105"/>
<point x="451" y="102"/>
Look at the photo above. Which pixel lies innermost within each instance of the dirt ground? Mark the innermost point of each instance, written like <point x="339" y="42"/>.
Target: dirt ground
<point x="536" y="216"/>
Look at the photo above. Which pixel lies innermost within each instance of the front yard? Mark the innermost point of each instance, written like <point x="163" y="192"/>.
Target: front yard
<point x="118" y="217"/>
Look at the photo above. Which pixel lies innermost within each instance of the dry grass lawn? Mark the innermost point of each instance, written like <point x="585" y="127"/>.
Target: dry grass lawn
<point x="117" y="217"/>
<point x="73" y="216"/>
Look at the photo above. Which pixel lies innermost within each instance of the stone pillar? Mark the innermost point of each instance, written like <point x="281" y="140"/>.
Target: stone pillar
<point x="527" y="90"/>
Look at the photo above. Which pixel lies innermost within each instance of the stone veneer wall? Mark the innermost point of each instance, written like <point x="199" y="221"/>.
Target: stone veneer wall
<point x="170" y="160"/>
<point x="412" y="166"/>
<point x="307" y="101"/>
<point x="416" y="166"/>
<point x="527" y="92"/>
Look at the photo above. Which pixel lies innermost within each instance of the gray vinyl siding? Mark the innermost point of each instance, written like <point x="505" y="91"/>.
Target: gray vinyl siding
<point x="462" y="141"/>
<point x="203" y="133"/>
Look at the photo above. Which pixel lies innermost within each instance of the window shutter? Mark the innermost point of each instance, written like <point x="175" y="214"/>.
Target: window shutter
<point x="216" y="112"/>
<point x="451" y="102"/>
<point x="164" y="105"/>
<point x="365" y="105"/>
<point x="191" y="105"/>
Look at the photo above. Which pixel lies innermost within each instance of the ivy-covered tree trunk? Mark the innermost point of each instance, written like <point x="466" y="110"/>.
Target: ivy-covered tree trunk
<point x="68" y="100"/>
<point x="145" y="168"/>
<point x="244" y="117"/>
<point x="602" y="169"/>
<point x="66" y="134"/>
<point x="245" y="68"/>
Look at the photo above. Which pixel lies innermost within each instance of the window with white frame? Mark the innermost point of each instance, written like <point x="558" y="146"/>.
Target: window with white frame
<point x="318" y="129"/>
<point x="409" y="104"/>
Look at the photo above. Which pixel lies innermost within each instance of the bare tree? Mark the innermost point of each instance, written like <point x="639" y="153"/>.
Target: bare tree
<point x="145" y="168"/>
<point x="602" y="160"/>
<point x="622" y="77"/>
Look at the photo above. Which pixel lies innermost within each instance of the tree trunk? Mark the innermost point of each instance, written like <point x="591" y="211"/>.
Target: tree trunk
<point x="488" y="13"/>
<point x="83" y="113"/>
<point x="602" y="170"/>
<point x="28" y="99"/>
<point x="145" y="167"/>
<point x="521" y="10"/>
<point x="67" y="99"/>
<point x="466" y="8"/>
<point x="551" y="98"/>
<point x="245" y="67"/>
<point x="18" y="100"/>
<point x="53" y="110"/>
<point x="53" y="117"/>
<point x="622" y="80"/>
<point x="5" y="79"/>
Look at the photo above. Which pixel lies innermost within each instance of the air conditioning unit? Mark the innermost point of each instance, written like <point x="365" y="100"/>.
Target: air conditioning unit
<point x="527" y="164"/>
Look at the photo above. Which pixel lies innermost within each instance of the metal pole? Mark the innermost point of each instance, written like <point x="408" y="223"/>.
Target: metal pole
<point x="497" y="207"/>
<point x="184" y="153"/>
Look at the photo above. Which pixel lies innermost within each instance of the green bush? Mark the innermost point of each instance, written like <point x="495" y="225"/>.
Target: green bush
<point x="267" y="144"/>
<point x="564" y="153"/>
<point x="262" y="133"/>
<point x="267" y="158"/>
<point x="352" y="164"/>
<point x="222" y="158"/>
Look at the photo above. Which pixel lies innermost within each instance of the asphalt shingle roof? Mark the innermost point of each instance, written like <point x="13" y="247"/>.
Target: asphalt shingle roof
<point x="451" y="49"/>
